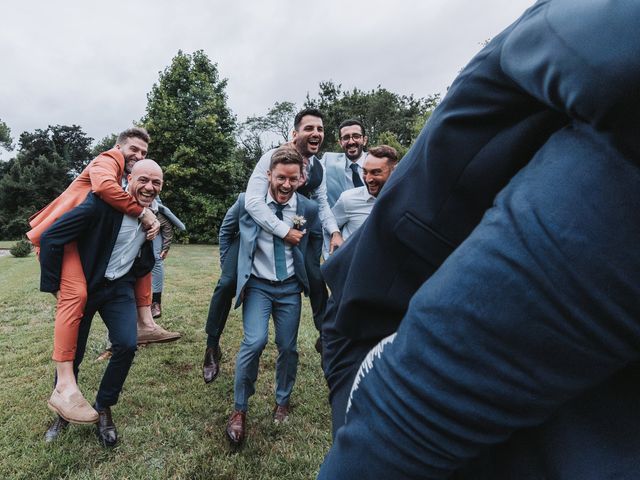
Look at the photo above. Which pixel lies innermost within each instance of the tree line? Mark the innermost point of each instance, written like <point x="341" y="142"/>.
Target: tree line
<point x="206" y="154"/>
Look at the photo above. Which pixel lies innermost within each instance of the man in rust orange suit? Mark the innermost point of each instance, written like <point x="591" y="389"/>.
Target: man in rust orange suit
<point x="103" y="176"/>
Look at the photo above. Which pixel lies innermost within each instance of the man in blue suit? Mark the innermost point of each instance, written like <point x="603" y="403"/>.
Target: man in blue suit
<point x="344" y="170"/>
<point x="271" y="275"/>
<point x="114" y="252"/>
<point x="516" y="359"/>
<point x="308" y="135"/>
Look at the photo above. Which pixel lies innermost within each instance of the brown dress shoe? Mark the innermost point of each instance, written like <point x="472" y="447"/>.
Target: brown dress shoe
<point x="281" y="413"/>
<point x="235" y="427"/>
<point x="156" y="310"/>
<point x="58" y="426"/>
<point x="106" y="431"/>
<point x="211" y="365"/>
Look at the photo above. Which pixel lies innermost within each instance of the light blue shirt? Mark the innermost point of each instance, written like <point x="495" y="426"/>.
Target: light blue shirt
<point x="264" y="264"/>
<point x="130" y="238"/>
<point x="352" y="209"/>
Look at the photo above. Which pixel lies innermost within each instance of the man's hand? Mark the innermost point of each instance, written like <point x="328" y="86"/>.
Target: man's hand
<point x="294" y="236"/>
<point x="163" y="254"/>
<point x="336" y="241"/>
<point x="150" y="223"/>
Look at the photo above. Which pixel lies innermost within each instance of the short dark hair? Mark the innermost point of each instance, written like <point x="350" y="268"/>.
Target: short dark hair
<point x="314" y="112"/>
<point x="286" y="155"/>
<point x="385" y="151"/>
<point x="133" y="132"/>
<point x="350" y="122"/>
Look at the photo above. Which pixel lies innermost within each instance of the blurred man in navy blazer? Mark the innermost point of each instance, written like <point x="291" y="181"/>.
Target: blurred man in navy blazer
<point x="516" y="359"/>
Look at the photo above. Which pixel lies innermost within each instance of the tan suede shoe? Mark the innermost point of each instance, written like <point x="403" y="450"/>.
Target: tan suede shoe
<point x="156" y="335"/>
<point x="74" y="409"/>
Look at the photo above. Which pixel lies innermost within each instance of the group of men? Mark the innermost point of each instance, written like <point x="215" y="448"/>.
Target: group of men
<point x="268" y="260"/>
<point x="483" y="321"/>
<point x="291" y="210"/>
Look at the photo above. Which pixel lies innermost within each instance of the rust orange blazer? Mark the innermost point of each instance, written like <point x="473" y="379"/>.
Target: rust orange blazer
<point x="103" y="176"/>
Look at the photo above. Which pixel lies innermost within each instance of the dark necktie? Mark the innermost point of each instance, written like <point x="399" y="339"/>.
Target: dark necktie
<point x="357" y="181"/>
<point x="278" y="249"/>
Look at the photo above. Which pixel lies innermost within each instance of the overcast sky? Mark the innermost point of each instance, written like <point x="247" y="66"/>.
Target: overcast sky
<point x="93" y="63"/>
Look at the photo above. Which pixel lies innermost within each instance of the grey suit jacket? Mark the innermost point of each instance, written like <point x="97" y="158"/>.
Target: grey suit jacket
<point x="238" y="221"/>
<point x="337" y="181"/>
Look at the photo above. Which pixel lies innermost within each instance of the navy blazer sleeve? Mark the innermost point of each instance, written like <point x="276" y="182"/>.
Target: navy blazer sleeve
<point x="552" y="311"/>
<point x="66" y="229"/>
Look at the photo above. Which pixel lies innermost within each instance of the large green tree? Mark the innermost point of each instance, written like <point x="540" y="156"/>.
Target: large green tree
<point x="46" y="162"/>
<point x="388" y="117"/>
<point x="192" y="137"/>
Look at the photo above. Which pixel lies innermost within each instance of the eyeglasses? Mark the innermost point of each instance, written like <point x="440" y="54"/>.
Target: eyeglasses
<point x="354" y="136"/>
<point x="282" y="180"/>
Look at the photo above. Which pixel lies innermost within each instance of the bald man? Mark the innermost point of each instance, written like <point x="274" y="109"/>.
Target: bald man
<point x="109" y="243"/>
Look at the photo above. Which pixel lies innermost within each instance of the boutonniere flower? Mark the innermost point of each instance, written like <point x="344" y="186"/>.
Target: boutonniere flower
<point x="298" y="222"/>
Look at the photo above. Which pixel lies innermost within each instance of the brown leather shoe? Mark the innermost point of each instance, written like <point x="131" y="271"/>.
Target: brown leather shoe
<point x="235" y="427"/>
<point x="74" y="409"/>
<point x="211" y="364"/>
<point x="156" y="310"/>
<point x="106" y="429"/>
<point x="156" y="335"/>
<point x="281" y="413"/>
<point x="58" y="426"/>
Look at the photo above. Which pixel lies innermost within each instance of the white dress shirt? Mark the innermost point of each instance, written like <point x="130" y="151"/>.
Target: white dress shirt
<point x="352" y="209"/>
<point x="264" y="264"/>
<point x="347" y="168"/>
<point x="130" y="238"/>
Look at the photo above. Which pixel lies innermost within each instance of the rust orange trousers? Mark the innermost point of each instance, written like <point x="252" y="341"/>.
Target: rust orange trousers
<point x="72" y="298"/>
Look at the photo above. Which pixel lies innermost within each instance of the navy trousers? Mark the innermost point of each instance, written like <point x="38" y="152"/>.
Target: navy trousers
<point x="115" y="301"/>
<point x="223" y="294"/>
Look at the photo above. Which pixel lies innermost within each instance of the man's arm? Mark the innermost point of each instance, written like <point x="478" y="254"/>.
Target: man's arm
<point x="64" y="230"/>
<point x="339" y="212"/>
<point x="229" y="229"/>
<point x="166" y="232"/>
<point x="254" y="202"/>
<point x="324" y="213"/>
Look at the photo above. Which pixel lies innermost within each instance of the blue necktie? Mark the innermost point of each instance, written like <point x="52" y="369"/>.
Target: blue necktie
<point x="357" y="181"/>
<point x="278" y="249"/>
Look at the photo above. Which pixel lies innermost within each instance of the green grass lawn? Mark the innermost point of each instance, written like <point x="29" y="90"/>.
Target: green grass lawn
<point x="171" y="424"/>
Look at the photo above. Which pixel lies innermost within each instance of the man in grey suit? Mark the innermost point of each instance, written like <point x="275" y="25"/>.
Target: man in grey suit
<point x="271" y="275"/>
<point x="344" y="170"/>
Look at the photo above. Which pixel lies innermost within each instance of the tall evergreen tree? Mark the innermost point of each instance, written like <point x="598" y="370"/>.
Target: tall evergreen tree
<point x="192" y="138"/>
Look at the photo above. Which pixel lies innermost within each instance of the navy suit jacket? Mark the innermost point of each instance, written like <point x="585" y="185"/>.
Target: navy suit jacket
<point x="560" y="83"/>
<point x="95" y="226"/>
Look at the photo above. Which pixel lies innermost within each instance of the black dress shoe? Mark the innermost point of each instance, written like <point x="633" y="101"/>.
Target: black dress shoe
<point x="211" y="365"/>
<point x="106" y="431"/>
<point x="58" y="426"/>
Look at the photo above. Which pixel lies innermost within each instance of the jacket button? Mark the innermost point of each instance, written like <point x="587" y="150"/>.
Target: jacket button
<point x="246" y="276"/>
